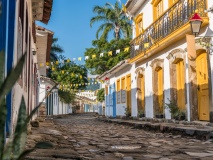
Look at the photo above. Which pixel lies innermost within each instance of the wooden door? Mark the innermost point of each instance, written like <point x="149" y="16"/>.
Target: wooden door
<point x="128" y="90"/>
<point x="141" y="92"/>
<point x="180" y="85"/>
<point x="160" y="88"/>
<point x="202" y="87"/>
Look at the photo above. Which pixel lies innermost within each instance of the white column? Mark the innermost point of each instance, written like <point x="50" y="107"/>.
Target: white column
<point x="187" y="88"/>
<point x="167" y="87"/>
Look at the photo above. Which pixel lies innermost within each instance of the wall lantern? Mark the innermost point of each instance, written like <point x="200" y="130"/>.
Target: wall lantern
<point x="107" y="80"/>
<point x="34" y="51"/>
<point x="196" y="23"/>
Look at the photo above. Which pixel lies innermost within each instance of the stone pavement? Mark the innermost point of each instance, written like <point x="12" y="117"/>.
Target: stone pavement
<point x="84" y="136"/>
<point x="199" y="130"/>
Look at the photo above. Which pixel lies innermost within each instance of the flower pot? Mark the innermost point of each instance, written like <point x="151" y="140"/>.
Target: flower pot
<point x="159" y="115"/>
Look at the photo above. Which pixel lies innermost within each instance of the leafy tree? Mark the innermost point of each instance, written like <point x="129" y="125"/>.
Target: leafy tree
<point x="114" y="20"/>
<point x="56" y="50"/>
<point x="99" y="64"/>
<point x="66" y="97"/>
<point x="69" y="75"/>
<point x="100" y="95"/>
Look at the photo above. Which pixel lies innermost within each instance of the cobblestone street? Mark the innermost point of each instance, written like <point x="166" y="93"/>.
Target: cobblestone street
<point x="82" y="136"/>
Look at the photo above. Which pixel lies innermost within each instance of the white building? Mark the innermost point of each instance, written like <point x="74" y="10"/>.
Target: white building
<point x="166" y="62"/>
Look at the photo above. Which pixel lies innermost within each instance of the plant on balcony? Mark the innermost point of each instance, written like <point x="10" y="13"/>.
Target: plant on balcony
<point x="113" y="20"/>
<point x="14" y="149"/>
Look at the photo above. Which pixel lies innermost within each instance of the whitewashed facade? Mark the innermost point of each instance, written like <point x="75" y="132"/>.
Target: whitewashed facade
<point x="166" y="62"/>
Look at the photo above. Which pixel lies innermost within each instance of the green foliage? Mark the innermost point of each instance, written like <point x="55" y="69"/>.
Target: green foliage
<point x="66" y="97"/>
<point x="99" y="64"/>
<point x="14" y="149"/>
<point x="56" y="50"/>
<point x="100" y="95"/>
<point x="140" y="113"/>
<point x="127" y="111"/>
<point x="113" y="20"/>
<point x="65" y="74"/>
<point x="175" y="111"/>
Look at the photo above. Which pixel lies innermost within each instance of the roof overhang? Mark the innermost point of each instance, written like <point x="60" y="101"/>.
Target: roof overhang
<point x="47" y="80"/>
<point x="133" y="5"/>
<point x="113" y="70"/>
<point x="41" y="10"/>
<point x="44" y="37"/>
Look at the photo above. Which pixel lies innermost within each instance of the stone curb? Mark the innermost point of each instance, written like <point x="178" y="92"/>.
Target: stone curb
<point x="198" y="132"/>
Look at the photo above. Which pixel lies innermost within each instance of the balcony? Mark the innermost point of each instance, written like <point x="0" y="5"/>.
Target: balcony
<point x="167" y="29"/>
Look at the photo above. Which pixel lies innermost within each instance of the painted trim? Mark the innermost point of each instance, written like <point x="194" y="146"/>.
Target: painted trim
<point x="123" y="80"/>
<point x="118" y="88"/>
<point x="165" y="42"/>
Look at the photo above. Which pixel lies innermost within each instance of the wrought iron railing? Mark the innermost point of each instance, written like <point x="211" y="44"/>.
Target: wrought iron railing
<point x="175" y="17"/>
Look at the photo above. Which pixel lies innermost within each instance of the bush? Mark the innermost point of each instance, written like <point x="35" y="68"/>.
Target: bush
<point x="100" y="95"/>
<point x="175" y="111"/>
<point x="127" y="112"/>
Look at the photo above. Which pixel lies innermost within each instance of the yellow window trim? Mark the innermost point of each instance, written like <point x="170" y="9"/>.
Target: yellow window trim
<point x="154" y="8"/>
<point x="123" y="79"/>
<point x="139" y="19"/>
<point x="172" y="2"/>
<point x="155" y="2"/>
<point x="118" y="82"/>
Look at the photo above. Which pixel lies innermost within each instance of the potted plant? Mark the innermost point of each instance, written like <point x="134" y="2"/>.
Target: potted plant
<point x="159" y="112"/>
<point x="141" y="113"/>
<point x="127" y="112"/>
<point x="175" y="111"/>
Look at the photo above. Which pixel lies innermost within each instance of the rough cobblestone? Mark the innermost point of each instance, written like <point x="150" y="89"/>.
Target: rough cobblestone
<point x="84" y="137"/>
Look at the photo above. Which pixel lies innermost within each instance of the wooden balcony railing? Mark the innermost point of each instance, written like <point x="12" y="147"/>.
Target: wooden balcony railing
<point x="174" y="18"/>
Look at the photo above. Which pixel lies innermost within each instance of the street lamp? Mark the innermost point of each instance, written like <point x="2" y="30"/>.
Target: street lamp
<point x="196" y="23"/>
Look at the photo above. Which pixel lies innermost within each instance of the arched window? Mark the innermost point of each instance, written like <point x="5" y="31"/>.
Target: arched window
<point x="139" y="24"/>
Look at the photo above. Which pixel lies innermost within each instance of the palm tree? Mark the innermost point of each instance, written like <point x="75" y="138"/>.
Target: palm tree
<point x="114" y="20"/>
<point x="56" y="50"/>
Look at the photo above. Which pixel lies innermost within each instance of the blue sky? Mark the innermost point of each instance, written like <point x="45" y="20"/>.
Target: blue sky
<point x="70" y="21"/>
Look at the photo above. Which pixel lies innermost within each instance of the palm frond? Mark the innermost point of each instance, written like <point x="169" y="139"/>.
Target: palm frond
<point x="97" y="19"/>
<point x="102" y="27"/>
<point x="56" y="48"/>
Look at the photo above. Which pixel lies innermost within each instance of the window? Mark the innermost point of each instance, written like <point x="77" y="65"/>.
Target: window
<point x="123" y="90"/>
<point x="139" y="24"/>
<point x="171" y="2"/>
<point x="118" y="88"/>
<point x="157" y="8"/>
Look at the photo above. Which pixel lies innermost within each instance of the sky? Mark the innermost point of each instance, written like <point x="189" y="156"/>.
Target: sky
<point x="70" y="22"/>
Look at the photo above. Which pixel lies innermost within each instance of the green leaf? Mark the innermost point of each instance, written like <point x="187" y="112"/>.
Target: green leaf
<point x="20" y="131"/>
<point x="3" y="113"/>
<point x="11" y="79"/>
<point x="2" y="64"/>
<point x="44" y="145"/>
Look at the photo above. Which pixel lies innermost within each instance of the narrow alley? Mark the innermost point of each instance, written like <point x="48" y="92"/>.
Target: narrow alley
<point x="82" y="136"/>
